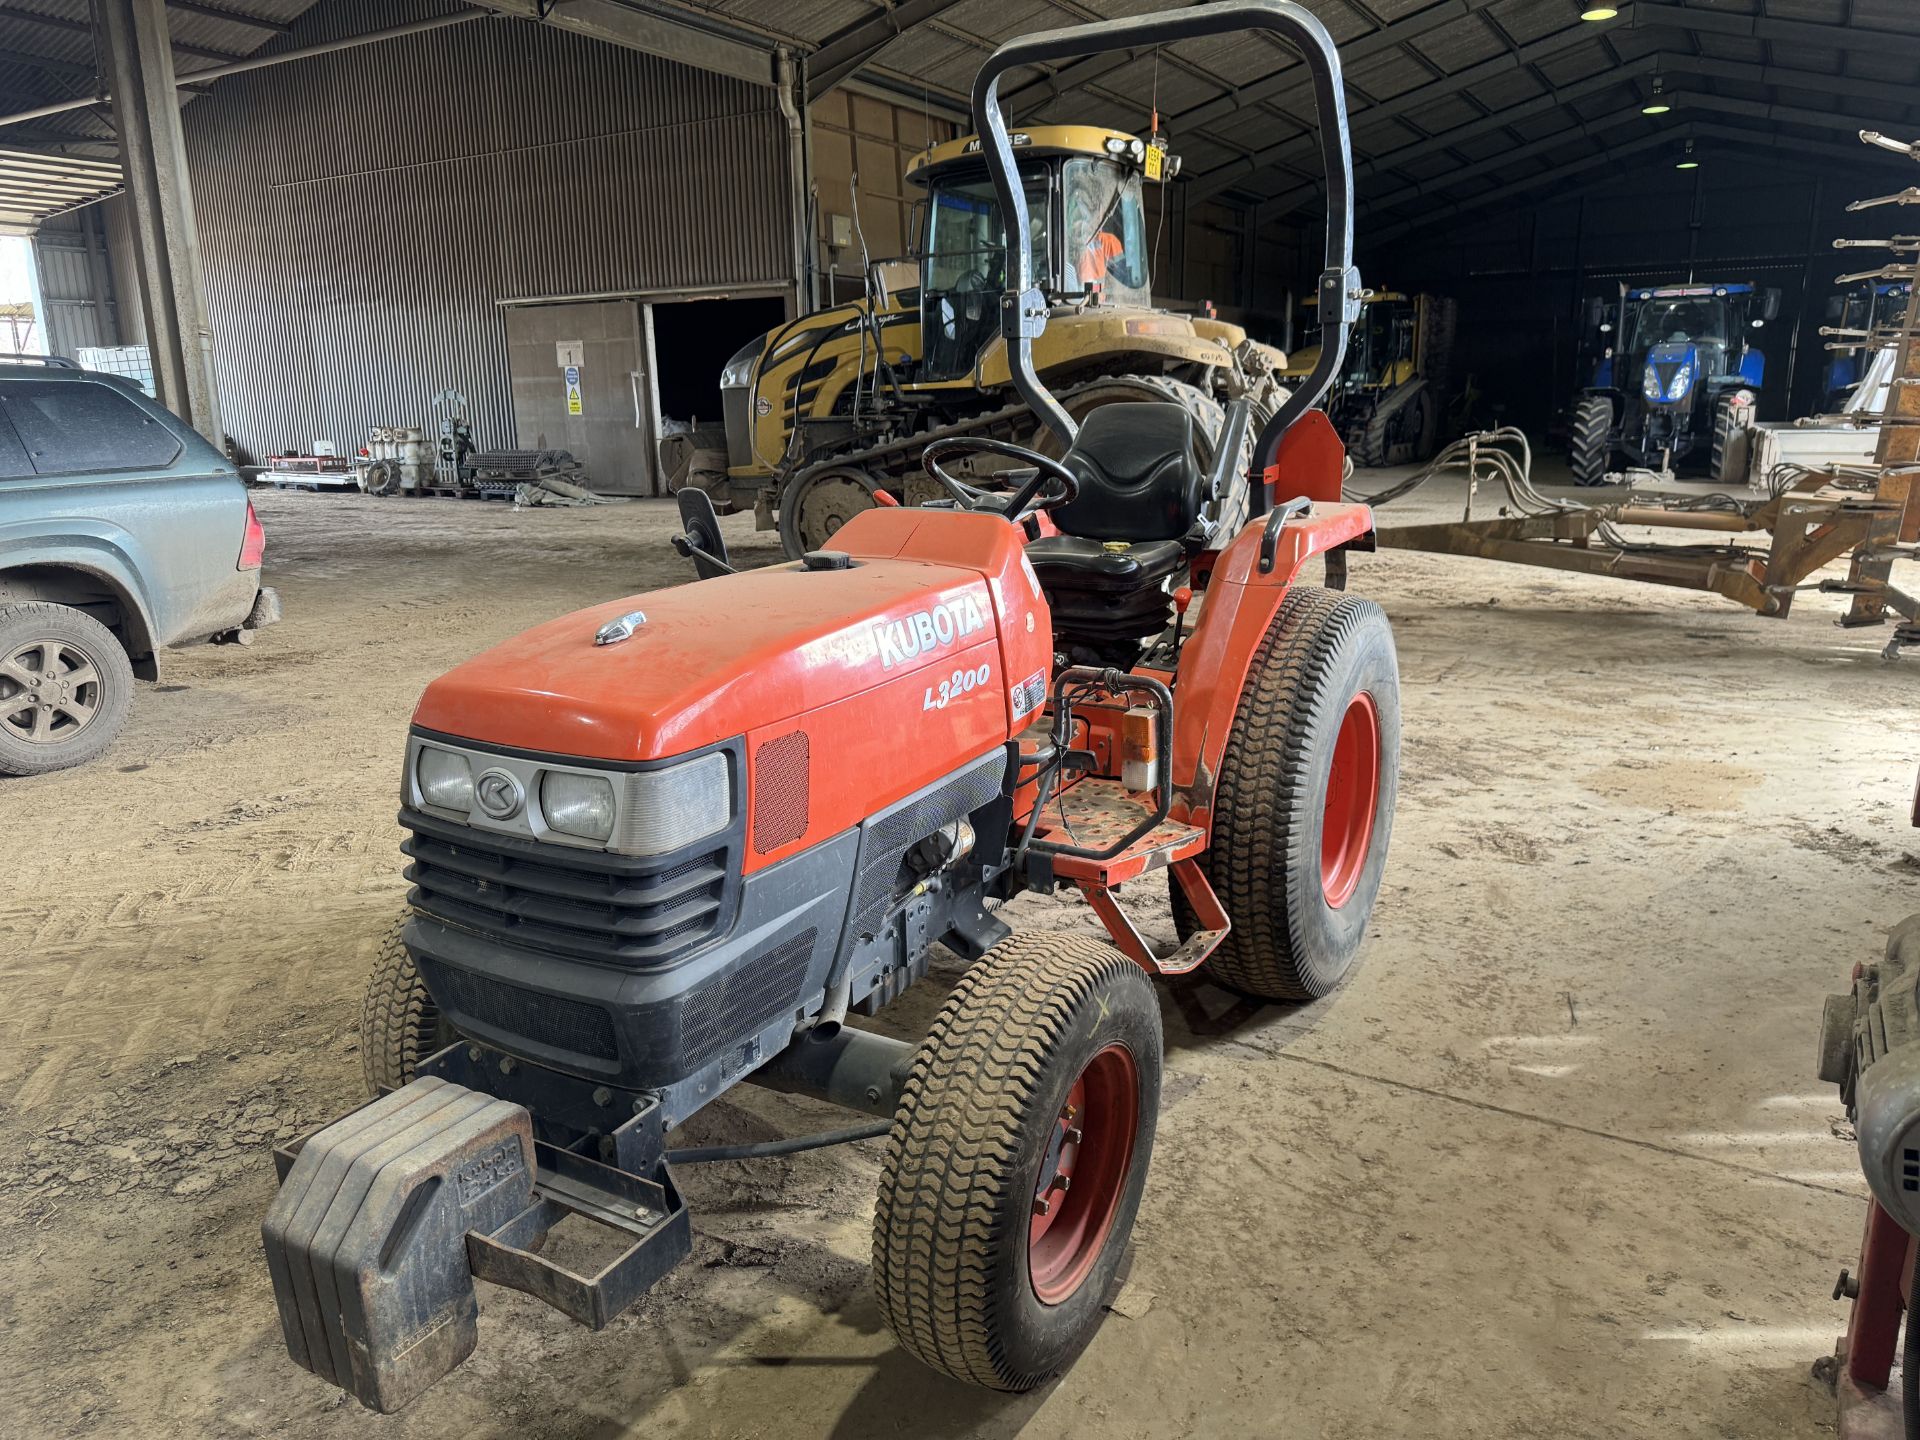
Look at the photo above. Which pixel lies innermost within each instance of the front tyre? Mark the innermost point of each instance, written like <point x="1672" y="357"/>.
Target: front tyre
<point x="399" y="1024"/>
<point x="1728" y="418"/>
<point x="1588" y="447"/>
<point x="1017" y="1160"/>
<point x="1303" y="808"/>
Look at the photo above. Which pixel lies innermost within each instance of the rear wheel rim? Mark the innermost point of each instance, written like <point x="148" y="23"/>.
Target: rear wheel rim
<point x="1083" y="1175"/>
<point x="826" y="502"/>
<point x="1353" y="795"/>
<point x="49" y="692"/>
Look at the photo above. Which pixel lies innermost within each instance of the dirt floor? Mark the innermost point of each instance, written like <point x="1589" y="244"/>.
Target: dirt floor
<point x="1552" y="1163"/>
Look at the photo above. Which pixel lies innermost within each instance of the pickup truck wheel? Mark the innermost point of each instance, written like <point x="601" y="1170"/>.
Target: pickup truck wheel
<point x="65" y="686"/>
<point x="1017" y="1160"/>
<point x="399" y="1024"/>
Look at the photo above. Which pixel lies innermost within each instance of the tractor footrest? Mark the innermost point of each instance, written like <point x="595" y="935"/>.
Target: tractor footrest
<point x="1093" y="815"/>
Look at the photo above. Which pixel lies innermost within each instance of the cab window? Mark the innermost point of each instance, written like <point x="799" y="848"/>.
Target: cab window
<point x="76" y="426"/>
<point x="1107" y="231"/>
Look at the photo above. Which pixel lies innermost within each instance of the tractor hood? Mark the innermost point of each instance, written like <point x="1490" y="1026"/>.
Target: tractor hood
<point x="1672" y="370"/>
<point x="711" y="660"/>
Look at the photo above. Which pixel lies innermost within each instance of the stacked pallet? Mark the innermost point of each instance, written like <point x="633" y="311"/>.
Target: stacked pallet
<point x="524" y="467"/>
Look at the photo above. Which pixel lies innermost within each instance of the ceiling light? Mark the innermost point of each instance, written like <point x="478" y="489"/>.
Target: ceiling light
<point x="1686" y="161"/>
<point x="1599" y="12"/>
<point x="1658" y="104"/>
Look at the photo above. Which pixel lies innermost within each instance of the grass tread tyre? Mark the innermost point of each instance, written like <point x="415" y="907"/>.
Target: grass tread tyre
<point x="950" y="1230"/>
<point x="1264" y="858"/>
<point x="23" y="623"/>
<point x="1587" y="448"/>
<point x="399" y="1023"/>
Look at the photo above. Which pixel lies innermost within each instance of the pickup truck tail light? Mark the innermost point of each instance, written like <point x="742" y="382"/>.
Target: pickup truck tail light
<point x="253" y="549"/>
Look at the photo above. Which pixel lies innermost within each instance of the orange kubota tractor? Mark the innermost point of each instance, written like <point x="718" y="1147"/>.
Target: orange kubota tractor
<point x="667" y="844"/>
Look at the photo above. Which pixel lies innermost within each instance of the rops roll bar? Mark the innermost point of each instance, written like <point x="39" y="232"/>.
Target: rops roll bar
<point x="1023" y="307"/>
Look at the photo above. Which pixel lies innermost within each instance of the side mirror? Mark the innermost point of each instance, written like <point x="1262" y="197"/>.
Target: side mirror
<point x="1836" y="309"/>
<point x="702" y="543"/>
<point x="1596" y="310"/>
<point x="1770" y="303"/>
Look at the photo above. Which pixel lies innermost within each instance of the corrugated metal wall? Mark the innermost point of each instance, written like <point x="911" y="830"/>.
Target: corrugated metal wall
<point x="66" y="286"/>
<point x="360" y="214"/>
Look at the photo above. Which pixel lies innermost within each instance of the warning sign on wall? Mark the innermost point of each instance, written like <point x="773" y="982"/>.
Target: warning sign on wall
<point x="573" y="389"/>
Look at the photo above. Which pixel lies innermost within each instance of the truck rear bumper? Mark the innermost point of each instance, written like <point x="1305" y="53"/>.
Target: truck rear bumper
<point x="265" y="612"/>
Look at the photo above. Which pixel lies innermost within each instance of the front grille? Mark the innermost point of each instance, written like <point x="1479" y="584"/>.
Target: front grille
<point x="738" y="1002"/>
<point x="582" y="903"/>
<point x="549" y="1020"/>
<point x="781" y="791"/>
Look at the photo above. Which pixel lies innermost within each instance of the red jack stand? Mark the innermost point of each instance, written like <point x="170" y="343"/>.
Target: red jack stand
<point x="1865" y="1366"/>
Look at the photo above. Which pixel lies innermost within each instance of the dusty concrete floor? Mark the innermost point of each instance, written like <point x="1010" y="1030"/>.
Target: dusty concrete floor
<point x="1553" y="1163"/>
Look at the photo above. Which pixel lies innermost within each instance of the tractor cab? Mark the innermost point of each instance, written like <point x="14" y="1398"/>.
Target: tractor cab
<point x="1674" y="341"/>
<point x="1086" y="224"/>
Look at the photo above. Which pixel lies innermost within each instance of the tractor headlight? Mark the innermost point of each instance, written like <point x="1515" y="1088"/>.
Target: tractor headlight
<point x="580" y="805"/>
<point x="739" y="371"/>
<point x="1650" y="384"/>
<point x="673" y="806"/>
<point x="1682" y="383"/>
<point x="445" y="779"/>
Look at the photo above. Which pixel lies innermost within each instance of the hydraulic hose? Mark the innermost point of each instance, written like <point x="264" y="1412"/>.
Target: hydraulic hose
<point x="766" y="1149"/>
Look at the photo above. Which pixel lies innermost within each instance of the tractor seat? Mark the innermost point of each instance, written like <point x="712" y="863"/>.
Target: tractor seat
<point x="1141" y="494"/>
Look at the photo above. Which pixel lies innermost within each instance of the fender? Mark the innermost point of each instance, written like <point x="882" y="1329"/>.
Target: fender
<point x="1240" y="607"/>
<point x="101" y="558"/>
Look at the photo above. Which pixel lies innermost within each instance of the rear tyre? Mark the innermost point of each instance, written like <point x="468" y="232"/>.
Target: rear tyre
<point x="65" y="688"/>
<point x="1303" y="809"/>
<point x="399" y="1024"/>
<point x="1587" y="449"/>
<point x="1017" y="1160"/>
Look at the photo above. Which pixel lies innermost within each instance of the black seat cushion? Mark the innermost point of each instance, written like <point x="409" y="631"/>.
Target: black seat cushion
<point x="1074" y="562"/>
<point x="1138" y="476"/>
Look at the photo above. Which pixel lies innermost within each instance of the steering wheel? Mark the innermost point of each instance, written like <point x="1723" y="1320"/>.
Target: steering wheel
<point x="1052" y="484"/>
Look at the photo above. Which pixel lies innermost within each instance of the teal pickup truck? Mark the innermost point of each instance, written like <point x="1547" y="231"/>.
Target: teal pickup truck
<point x="122" y="533"/>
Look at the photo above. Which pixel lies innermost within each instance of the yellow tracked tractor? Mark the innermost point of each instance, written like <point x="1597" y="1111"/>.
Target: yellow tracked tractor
<point x="830" y="409"/>
<point x="1390" y="401"/>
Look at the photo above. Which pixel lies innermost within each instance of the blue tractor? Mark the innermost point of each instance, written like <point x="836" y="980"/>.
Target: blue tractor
<point x="1858" y="314"/>
<point x="1678" y="372"/>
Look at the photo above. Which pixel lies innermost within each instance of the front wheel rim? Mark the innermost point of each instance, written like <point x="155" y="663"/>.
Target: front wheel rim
<point x="1353" y="796"/>
<point x="1083" y="1175"/>
<point x="50" y="691"/>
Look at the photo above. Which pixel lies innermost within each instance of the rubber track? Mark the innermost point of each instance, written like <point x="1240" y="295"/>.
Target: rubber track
<point x="399" y="1023"/>
<point x="944" y="1208"/>
<point x="1265" y="768"/>
<point x="1592" y="418"/>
